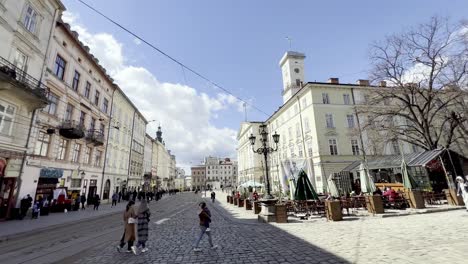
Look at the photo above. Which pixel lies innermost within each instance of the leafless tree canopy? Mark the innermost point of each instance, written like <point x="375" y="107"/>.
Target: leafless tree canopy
<point x="426" y="71"/>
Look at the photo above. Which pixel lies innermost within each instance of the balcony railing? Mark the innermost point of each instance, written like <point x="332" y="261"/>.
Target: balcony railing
<point x="22" y="78"/>
<point x="71" y="129"/>
<point x="96" y="137"/>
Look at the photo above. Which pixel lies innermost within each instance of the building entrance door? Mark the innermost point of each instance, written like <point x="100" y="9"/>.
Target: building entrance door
<point x="7" y="189"/>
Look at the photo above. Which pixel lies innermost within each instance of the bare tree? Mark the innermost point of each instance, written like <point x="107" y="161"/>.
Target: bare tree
<point x="426" y="70"/>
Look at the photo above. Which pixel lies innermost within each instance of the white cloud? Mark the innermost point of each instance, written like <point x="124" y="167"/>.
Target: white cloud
<point x="185" y="114"/>
<point x="137" y="41"/>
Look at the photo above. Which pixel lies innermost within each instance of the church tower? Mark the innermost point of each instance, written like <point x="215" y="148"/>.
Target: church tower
<point x="159" y="135"/>
<point x="292" y="67"/>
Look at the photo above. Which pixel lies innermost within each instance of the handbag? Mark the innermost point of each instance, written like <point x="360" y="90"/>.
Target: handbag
<point x="131" y="220"/>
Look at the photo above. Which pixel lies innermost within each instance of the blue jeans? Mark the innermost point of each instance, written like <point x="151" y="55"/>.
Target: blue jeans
<point x="202" y="232"/>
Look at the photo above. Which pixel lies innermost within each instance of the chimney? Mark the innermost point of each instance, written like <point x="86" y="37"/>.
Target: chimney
<point x="75" y="34"/>
<point x="334" y="80"/>
<point x="383" y="84"/>
<point x="362" y="82"/>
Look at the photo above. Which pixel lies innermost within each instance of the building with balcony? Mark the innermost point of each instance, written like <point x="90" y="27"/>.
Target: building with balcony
<point x="70" y="132"/>
<point x="220" y="172"/>
<point x="25" y="28"/>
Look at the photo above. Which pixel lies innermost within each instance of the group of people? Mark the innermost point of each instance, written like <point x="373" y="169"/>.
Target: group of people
<point x="136" y="225"/>
<point x="81" y="200"/>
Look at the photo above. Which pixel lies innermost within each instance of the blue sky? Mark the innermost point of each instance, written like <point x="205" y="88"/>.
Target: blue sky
<point x="238" y="44"/>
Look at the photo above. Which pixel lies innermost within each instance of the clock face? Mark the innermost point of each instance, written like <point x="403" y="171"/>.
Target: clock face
<point x="296" y="70"/>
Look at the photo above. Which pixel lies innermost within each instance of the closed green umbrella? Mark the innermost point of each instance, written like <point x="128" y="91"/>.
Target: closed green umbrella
<point x="408" y="180"/>
<point x="304" y="188"/>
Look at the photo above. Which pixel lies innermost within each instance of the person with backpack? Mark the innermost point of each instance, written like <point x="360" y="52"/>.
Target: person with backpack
<point x="205" y="220"/>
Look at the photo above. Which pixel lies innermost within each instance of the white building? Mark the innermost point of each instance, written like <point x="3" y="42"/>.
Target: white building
<point x="163" y="164"/>
<point x="70" y="133"/>
<point x="318" y="129"/>
<point x="118" y="146"/>
<point x="220" y="173"/>
<point x="25" y="30"/>
<point x="135" y="179"/>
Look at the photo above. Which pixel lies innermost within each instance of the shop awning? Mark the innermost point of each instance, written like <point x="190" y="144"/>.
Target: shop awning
<point x="51" y="173"/>
<point x="394" y="161"/>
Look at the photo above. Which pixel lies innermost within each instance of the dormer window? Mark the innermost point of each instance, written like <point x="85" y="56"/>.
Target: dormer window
<point x="30" y="19"/>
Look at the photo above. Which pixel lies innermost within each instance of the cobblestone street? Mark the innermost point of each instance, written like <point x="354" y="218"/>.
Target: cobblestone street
<point x="428" y="238"/>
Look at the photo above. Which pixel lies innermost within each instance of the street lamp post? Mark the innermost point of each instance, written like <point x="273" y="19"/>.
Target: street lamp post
<point x="265" y="150"/>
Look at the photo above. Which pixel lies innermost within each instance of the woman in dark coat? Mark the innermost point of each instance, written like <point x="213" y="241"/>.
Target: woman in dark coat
<point x="143" y="220"/>
<point x="129" y="233"/>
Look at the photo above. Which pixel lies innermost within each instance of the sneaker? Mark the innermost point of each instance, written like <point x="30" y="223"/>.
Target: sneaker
<point x="119" y="249"/>
<point x="134" y="250"/>
<point x="128" y="251"/>
<point x="197" y="249"/>
<point x="144" y="250"/>
<point x="214" y="247"/>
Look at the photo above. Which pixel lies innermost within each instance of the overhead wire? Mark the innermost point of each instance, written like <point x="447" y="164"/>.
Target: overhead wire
<point x="170" y="57"/>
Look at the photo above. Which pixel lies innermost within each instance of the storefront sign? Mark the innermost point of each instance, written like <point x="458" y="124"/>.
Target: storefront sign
<point x="51" y="173"/>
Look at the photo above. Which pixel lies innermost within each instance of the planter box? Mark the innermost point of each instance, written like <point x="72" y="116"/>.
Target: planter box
<point x="240" y="203"/>
<point x="248" y="205"/>
<point x="231" y="199"/>
<point x="374" y="204"/>
<point x="416" y="199"/>
<point x="227" y="198"/>
<point x="452" y="197"/>
<point x="281" y="213"/>
<point x="236" y="201"/>
<point x="256" y="206"/>
<point x="333" y="210"/>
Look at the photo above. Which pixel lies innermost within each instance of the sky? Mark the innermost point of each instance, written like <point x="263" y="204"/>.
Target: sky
<point x="238" y="45"/>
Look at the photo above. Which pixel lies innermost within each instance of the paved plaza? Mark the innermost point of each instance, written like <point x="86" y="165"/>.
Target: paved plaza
<point x="425" y="238"/>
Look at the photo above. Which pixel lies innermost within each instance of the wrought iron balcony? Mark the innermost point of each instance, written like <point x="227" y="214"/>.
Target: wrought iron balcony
<point x="71" y="129"/>
<point x="19" y="78"/>
<point x="96" y="137"/>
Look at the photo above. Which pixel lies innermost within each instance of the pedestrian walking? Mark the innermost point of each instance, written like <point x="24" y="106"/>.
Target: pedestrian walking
<point x="120" y="196"/>
<point x="129" y="230"/>
<point x="462" y="189"/>
<point x="143" y="220"/>
<point x="83" y="201"/>
<point x="213" y="196"/>
<point x="96" y="202"/>
<point x="35" y="211"/>
<point x="115" y="197"/>
<point x="205" y="220"/>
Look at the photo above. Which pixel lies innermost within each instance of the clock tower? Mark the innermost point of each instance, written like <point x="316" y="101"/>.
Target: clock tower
<point x="292" y="67"/>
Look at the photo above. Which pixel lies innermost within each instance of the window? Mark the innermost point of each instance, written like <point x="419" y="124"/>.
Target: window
<point x="76" y="153"/>
<point x="93" y="124"/>
<point x="291" y="149"/>
<point x="7" y="113"/>
<point x="42" y="144"/>
<point x="51" y="108"/>
<point x="395" y="147"/>
<point x="386" y="101"/>
<point x="290" y="133"/>
<point x="355" y="147"/>
<point x="325" y="98"/>
<point x="299" y="149"/>
<point x="87" y="90"/>
<point x="298" y="130"/>
<point x="82" y="118"/>
<point x="298" y="82"/>
<point x="87" y="155"/>
<point x="60" y="64"/>
<point x="102" y="129"/>
<point x="75" y="183"/>
<point x="296" y="109"/>
<point x="21" y="61"/>
<point x="329" y="118"/>
<point x="69" y="112"/>
<point x="97" y="158"/>
<point x="96" y="98"/>
<point x="30" y="19"/>
<point x="306" y="124"/>
<point x="105" y="105"/>
<point x="62" y="149"/>
<point x="350" y="119"/>
<point x="309" y="148"/>
<point x="304" y="102"/>
<point x="333" y="147"/>
<point x="346" y="100"/>
<point x="76" y="81"/>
